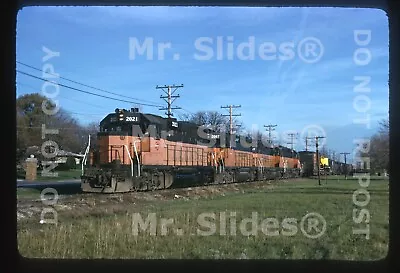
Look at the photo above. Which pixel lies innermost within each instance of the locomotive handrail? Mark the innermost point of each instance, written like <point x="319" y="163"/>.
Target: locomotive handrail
<point x="85" y="155"/>
<point x="261" y="165"/>
<point x="87" y="150"/>
<point x="137" y="157"/>
<point x="130" y="158"/>
<point x="215" y="161"/>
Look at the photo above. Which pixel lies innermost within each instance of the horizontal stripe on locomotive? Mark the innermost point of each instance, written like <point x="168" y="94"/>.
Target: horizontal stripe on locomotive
<point x="275" y="151"/>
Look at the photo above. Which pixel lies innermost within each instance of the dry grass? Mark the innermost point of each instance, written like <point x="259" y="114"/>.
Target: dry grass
<point x="101" y="234"/>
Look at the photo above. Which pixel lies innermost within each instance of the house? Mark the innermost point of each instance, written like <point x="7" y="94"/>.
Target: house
<point x="60" y="158"/>
<point x="63" y="155"/>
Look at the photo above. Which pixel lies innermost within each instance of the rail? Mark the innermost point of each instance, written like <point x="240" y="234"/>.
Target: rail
<point x="137" y="156"/>
<point x="86" y="153"/>
<point x="130" y="158"/>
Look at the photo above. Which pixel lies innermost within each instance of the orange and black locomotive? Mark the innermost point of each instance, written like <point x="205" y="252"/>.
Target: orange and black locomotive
<point x="134" y="151"/>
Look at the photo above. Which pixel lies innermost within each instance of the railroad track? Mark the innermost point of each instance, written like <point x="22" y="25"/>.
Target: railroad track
<point x="83" y="204"/>
<point x="76" y="193"/>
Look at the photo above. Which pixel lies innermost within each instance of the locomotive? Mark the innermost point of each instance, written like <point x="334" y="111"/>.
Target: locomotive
<point x="135" y="151"/>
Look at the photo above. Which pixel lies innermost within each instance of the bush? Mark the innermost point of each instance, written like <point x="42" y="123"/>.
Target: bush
<point x="70" y="164"/>
<point x="20" y="172"/>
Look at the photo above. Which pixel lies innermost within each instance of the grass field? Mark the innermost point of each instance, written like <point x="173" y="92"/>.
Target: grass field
<point x="105" y="235"/>
<point x="28" y="193"/>
<point x="61" y="175"/>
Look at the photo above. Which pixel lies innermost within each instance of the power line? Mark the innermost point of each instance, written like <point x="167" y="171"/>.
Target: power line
<point x="58" y="128"/>
<point x="83" y="102"/>
<point x="181" y="108"/>
<point x="86" y="92"/>
<point x="84" y="114"/>
<point x="67" y="98"/>
<point x="86" y="103"/>
<point x="89" y="86"/>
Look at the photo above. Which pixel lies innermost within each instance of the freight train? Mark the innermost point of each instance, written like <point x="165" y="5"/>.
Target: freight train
<point x="135" y="151"/>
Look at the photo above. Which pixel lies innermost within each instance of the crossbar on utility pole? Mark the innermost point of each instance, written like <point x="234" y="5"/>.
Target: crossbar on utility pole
<point x="168" y="98"/>
<point x="231" y="115"/>
<point x="292" y="135"/>
<point x="307" y="138"/>
<point x="230" y="107"/>
<point x="270" y="128"/>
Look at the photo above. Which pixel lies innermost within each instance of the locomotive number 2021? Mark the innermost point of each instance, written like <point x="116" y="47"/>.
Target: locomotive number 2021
<point x="131" y="119"/>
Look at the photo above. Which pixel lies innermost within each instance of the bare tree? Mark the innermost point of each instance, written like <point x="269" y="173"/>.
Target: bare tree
<point x="378" y="153"/>
<point x="323" y="151"/>
<point x="90" y="129"/>
<point x="379" y="149"/>
<point x="213" y="118"/>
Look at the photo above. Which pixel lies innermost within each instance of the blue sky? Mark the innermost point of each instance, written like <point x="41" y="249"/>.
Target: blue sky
<point x="94" y="49"/>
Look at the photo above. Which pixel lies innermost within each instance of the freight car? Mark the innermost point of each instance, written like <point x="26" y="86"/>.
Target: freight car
<point x="308" y="160"/>
<point x="326" y="166"/>
<point x="135" y="151"/>
<point x="340" y="168"/>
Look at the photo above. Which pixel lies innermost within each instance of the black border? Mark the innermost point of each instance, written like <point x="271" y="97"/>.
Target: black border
<point x="14" y="262"/>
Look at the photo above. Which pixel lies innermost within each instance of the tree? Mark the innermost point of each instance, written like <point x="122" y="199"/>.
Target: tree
<point x="378" y="153"/>
<point x="379" y="148"/>
<point x="213" y="118"/>
<point x="91" y="129"/>
<point x="31" y="118"/>
<point x="323" y="151"/>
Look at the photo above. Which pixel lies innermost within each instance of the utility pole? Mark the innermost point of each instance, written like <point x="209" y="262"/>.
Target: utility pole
<point x="230" y="107"/>
<point x="231" y="115"/>
<point x="316" y="148"/>
<point x="345" y="164"/>
<point x="168" y="98"/>
<point x="333" y="161"/>
<point x="292" y="135"/>
<point x="307" y="138"/>
<point x="270" y="128"/>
